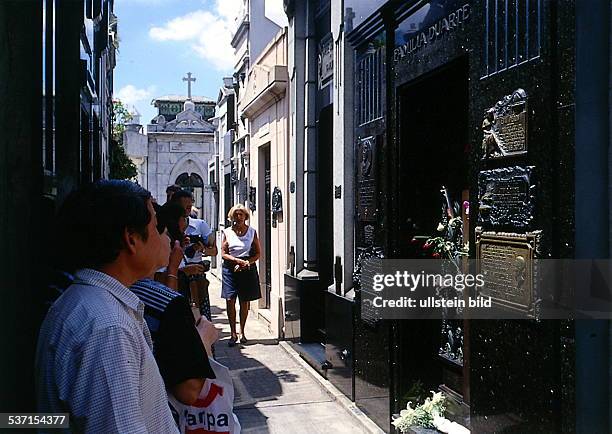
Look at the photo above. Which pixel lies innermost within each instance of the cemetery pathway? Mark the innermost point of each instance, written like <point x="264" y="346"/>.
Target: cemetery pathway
<point x="273" y="391"/>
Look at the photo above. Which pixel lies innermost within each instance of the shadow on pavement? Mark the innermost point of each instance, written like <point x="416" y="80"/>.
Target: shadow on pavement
<point x="254" y="383"/>
<point x="272" y="392"/>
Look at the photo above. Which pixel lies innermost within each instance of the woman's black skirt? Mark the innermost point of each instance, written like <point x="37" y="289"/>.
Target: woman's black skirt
<point x="242" y="284"/>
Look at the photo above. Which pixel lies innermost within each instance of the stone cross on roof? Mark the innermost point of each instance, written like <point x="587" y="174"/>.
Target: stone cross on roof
<point x="189" y="79"/>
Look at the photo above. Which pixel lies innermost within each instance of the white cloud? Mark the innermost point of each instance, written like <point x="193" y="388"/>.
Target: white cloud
<point x="129" y="95"/>
<point x="229" y="9"/>
<point x="183" y="28"/>
<point x="209" y="32"/>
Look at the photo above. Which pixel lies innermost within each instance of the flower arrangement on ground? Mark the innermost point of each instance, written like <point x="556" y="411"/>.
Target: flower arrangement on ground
<point x="422" y="415"/>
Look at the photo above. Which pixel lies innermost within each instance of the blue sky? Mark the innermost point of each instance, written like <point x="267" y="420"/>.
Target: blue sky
<point x="161" y="40"/>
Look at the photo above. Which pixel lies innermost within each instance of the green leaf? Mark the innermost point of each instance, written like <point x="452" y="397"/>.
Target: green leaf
<point x="121" y="167"/>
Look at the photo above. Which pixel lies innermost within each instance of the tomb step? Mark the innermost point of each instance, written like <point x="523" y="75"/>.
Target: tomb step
<point x="314" y="355"/>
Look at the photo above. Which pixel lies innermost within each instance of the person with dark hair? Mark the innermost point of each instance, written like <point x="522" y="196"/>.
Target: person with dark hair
<point x="181" y="195"/>
<point x="170" y="190"/>
<point x="181" y="346"/>
<point x="171" y="218"/>
<point x="185" y="198"/>
<point x="196" y="227"/>
<point x="202" y="243"/>
<point x="94" y="358"/>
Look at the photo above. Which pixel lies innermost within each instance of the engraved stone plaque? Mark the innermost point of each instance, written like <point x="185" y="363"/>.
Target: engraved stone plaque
<point x="505" y="261"/>
<point x="367" y="264"/>
<point x="506" y="198"/>
<point x="189" y="147"/>
<point x="367" y="189"/>
<point x="368" y="235"/>
<point x="325" y="62"/>
<point x="366" y="193"/>
<point x="505" y="127"/>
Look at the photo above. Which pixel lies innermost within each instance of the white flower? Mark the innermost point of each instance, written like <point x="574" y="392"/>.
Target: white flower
<point x="406" y="413"/>
<point x="437" y="398"/>
<point x="421" y="415"/>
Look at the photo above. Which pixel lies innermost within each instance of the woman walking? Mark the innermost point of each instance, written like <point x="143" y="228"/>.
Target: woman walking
<point x="240" y="250"/>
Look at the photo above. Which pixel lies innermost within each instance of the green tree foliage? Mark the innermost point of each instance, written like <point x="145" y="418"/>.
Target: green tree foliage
<point x="121" y="167"/>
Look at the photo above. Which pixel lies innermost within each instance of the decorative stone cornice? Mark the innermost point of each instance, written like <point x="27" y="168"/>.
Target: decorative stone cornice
<point x="241" y="31"/>
<point x="266" y="85"/>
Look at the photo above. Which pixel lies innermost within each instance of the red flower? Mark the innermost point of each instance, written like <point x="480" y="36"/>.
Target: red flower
<point x="436" y="255"/>
<point x="427" y="246"/>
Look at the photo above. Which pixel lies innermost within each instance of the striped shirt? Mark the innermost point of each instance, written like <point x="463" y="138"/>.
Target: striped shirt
<point x="94" y="361"/>
<point x="156" y="298"/>
<point x="177" y="345"/>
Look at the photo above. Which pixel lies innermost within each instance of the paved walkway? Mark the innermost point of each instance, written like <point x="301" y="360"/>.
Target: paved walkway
<point x="273" y="392"/>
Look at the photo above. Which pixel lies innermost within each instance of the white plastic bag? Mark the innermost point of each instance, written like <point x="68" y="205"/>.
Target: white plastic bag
<point x="213" y="412"/>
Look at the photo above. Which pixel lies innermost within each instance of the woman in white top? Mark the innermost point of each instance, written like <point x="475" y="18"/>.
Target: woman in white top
<point x="240" y="250"/>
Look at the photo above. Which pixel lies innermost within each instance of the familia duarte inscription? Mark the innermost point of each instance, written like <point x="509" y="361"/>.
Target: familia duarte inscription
<point x="505" y="127"/>
<point x="426" y="26"/>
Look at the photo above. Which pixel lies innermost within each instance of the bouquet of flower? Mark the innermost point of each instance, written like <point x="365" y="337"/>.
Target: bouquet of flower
<point x="422" y="415"/>
<point x="449" y="244"/>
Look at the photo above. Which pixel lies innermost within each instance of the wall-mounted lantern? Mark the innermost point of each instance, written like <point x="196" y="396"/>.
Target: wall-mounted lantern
<point x="252" y="198"/>
<point x="277" y="205"/>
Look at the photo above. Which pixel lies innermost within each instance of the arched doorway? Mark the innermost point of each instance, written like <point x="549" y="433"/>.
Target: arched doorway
<point x="192" y="183"/>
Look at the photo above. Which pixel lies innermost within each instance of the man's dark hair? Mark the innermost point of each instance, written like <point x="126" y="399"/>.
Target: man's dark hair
<point x="91" y="222"/>
<point x="173" y="188"/>
<point x="181" y="194"/>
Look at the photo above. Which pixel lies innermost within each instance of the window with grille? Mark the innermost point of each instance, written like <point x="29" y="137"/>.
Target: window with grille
<point x="512" y="34"/>
<point x="370" y="70"/>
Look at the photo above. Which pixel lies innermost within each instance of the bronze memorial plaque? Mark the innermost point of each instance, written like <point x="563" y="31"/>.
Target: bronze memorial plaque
<point x="366" y="193"/>
<point x="505" y="261"/>
<point x="505" y="127"/>
<point x="506" y="198"/>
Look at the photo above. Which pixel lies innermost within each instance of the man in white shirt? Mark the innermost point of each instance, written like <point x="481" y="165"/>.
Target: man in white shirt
<point x="94" y="358"/>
